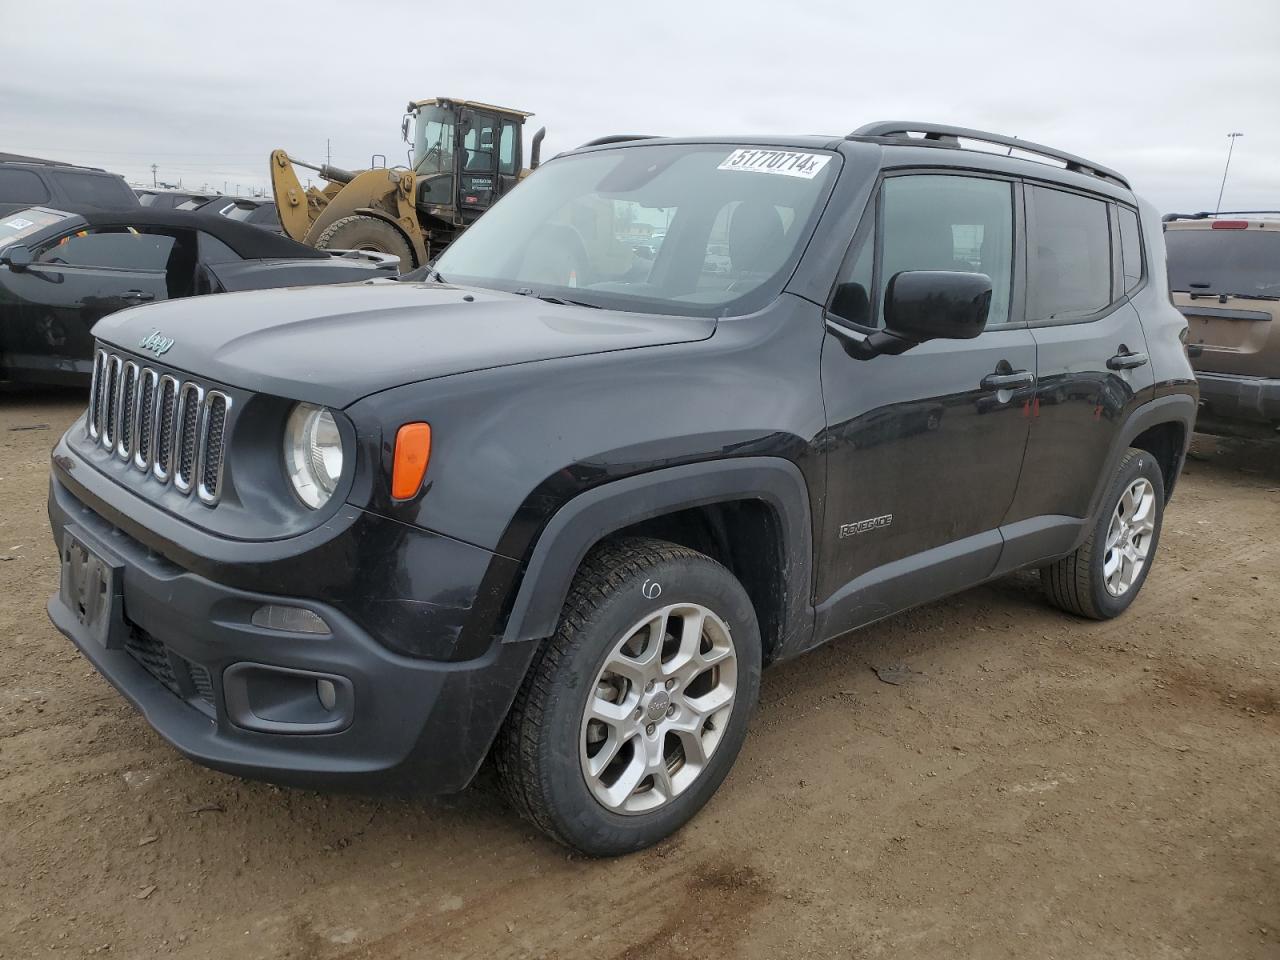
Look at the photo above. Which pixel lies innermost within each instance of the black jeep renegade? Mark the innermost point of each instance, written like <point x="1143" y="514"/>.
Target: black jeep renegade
<point x="671" y="411"/>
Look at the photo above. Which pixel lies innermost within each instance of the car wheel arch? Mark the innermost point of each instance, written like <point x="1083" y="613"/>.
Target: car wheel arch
<point x="1163" y="428"/>
<point x="648" y="504"/>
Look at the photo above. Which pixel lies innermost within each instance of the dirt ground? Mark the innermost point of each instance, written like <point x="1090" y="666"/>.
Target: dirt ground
<point x="1043" y="787"/>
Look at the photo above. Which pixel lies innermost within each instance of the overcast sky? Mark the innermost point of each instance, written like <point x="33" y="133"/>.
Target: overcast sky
<point x="206" y="90"/>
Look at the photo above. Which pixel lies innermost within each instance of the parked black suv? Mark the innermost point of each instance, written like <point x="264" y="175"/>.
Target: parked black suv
<point x="32" y="182"/>
<point x="555" y="503"/>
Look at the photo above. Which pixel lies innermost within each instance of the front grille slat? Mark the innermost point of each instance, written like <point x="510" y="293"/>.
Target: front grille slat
<point x="188" y="444"/>
<point x="213" y="429"/>
<point x="175" y="431"/>
<point x="94" y="420"/>
<point x="110" y="401"/>
<point x="146" y="419"/>
<point x="127" y="417"/>
<point x="168" y="407"/>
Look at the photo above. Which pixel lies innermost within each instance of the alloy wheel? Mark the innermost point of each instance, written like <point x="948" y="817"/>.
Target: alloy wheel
<point x="658" y="708"/>
<point x="1129" y="537"/>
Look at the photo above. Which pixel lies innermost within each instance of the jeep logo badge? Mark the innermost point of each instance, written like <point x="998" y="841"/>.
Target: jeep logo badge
<point x="156" y="342"/>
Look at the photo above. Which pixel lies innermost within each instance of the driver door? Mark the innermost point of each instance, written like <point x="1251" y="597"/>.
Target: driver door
<point x="923" y="449"/>
<point x="477" y="162"/>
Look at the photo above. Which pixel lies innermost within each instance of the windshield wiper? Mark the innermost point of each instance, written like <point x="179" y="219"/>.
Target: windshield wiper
<point x="547" y="298"/>
<point x="1215" y="295"/>
<point x="426" y="272"/>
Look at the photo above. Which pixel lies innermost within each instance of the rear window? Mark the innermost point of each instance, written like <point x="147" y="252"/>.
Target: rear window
<point x="21" y="186"/>
<point x="241" y="212"/>
<point x="95" y="190"/>
<point x="1243" y="263"/>
<point x="24" y="223"/>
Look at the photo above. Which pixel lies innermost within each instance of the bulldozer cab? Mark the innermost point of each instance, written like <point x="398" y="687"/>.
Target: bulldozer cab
<point x="465" y="155"/>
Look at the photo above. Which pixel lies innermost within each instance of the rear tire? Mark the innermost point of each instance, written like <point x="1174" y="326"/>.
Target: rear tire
<point x="676" y="711"/>
<point x="363" y="232"/>
<point x="1103" y="576"/>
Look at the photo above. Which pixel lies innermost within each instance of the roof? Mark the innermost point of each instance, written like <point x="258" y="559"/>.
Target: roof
<point x="1063" y="168"/>
<point x="474" y="104"/>
<point x="41" y="161"/>
<point x="252" y="243"/>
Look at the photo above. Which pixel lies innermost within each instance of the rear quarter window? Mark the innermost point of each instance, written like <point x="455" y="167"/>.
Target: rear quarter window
<point x="22" y="186"/>
<point x="96" y="190"/>
<point x="1130" y="247"/>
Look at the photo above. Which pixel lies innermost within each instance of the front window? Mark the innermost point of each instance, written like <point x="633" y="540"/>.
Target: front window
<point x="1241" y="263"/>
<point x="433" y="141"/>
<point x="687" y="229"/>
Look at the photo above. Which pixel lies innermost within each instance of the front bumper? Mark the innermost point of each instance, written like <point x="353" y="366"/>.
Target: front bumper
<point x="182" y="648"/>
<point x="1233" y="397"/>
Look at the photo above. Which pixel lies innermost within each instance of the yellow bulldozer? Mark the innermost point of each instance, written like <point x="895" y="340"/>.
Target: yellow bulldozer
<point x="463" y="156"/>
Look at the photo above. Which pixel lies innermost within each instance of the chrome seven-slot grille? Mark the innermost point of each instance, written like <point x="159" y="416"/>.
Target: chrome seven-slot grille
<point x="169" y="429"/>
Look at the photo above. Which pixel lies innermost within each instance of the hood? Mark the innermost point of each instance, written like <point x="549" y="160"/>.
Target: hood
<point x="335" y="344"/>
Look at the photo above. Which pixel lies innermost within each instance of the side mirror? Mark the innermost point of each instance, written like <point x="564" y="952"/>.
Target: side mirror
<point x="925" y="305"/>
<point x="17" y="257"/>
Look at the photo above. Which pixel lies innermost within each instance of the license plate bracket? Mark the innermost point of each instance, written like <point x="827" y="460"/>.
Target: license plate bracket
<point x="92" y="588"/>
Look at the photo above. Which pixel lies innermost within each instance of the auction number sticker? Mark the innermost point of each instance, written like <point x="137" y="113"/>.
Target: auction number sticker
<point x="18" y="223"/>
<point x="782" y="162"/>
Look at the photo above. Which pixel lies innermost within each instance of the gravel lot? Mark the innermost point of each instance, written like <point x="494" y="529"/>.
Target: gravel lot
<point x="1042" y="787"/>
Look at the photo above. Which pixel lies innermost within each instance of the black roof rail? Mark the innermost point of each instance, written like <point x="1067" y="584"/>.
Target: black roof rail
<point x="19" y="158"/>
<point x="942" y="135"/>
<point x="618" y="138"/>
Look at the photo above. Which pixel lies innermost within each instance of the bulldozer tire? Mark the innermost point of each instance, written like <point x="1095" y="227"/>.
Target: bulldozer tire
<point x="362" y="232"/>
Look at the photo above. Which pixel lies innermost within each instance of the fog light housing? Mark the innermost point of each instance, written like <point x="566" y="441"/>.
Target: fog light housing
<point x="278" y="616"/>
<point x="327" y="693"/>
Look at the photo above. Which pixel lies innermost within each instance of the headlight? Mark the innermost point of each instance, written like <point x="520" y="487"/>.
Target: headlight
<point x="312" y="453"/>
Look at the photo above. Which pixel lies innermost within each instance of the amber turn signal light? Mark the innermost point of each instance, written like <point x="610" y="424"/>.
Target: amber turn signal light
<point x="413" y="450"/>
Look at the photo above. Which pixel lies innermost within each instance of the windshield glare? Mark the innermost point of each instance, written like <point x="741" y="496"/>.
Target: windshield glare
<point x="662" y="229"/>
<point x="433" y="141"/>
<point x="1244" y="263"/>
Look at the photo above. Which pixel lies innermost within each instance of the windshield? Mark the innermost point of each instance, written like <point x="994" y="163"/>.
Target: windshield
<point x="18" y="226"/>
<point x="708" y="230"/>
<point x="1242" y="263"/>
<point x="433" y="141"/>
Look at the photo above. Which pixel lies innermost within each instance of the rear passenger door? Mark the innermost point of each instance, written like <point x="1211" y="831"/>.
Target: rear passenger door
<point x="1092" y="361"/>
<point x="923" y="449"/>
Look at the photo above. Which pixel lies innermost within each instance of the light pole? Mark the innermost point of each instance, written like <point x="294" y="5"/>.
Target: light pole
<point x="1231" y="137"/>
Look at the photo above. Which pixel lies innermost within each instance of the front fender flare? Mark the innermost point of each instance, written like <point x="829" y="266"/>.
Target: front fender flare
<point x="591" y="516"/>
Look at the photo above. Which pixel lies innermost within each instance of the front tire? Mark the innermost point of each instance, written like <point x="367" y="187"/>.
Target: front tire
<point x="1103" y="576"/>
<point x="634" y="711"/>
<point x="363" y="232"/>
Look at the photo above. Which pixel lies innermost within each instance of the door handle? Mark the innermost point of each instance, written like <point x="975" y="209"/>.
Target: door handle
<point x="140" y="295"/>
<point x="1008" y="381"/>
<point x="1127" y="361"/>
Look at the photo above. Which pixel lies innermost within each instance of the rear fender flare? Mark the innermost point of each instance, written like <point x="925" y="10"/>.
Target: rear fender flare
<point x="591" y="516"/>
<point x="1179" y="409"/>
